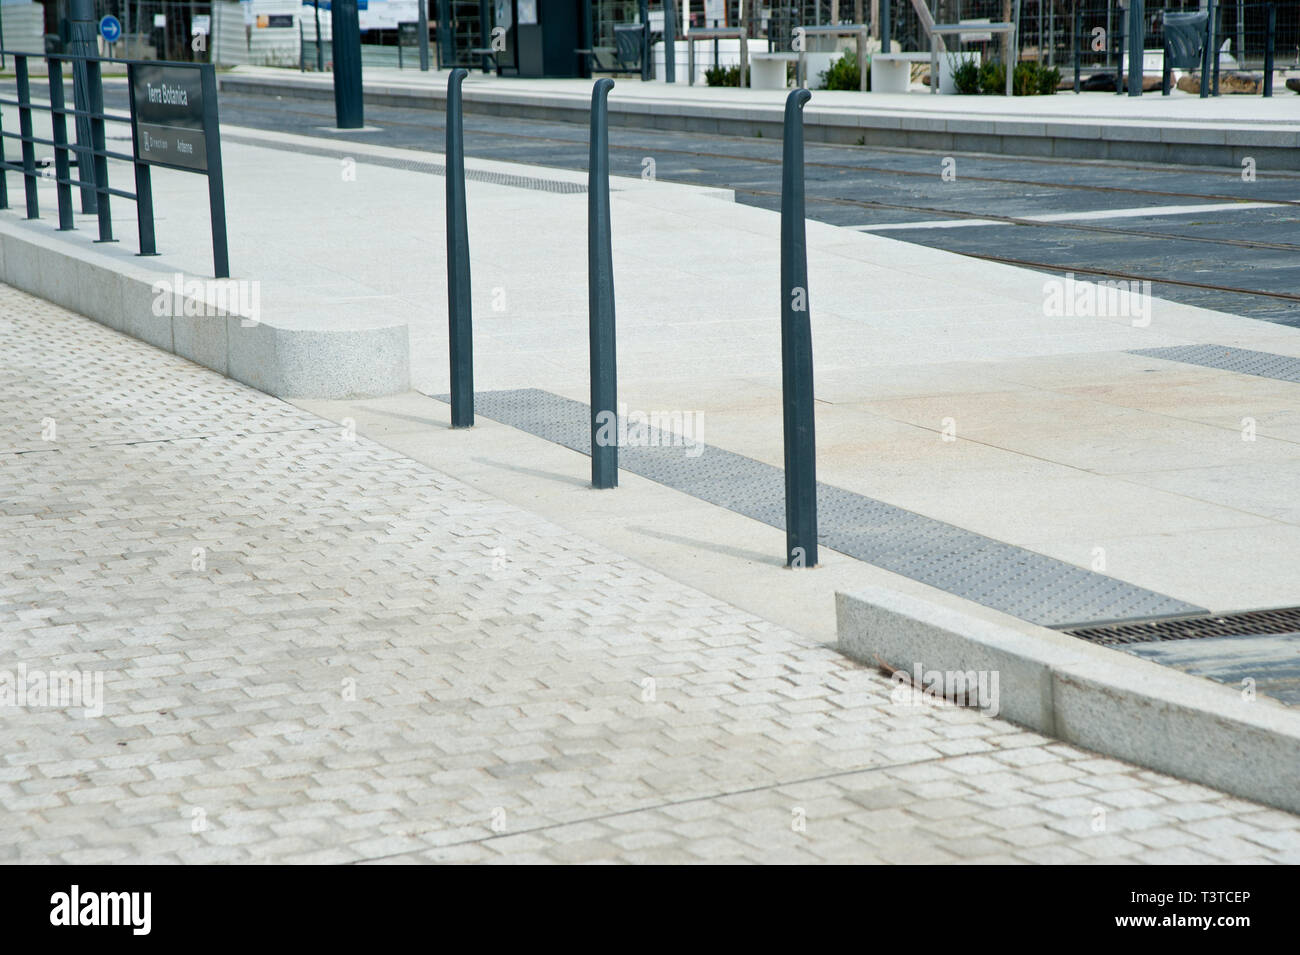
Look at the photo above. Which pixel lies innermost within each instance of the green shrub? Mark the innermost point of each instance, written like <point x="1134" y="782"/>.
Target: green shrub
<point x="966" y="77"/>
<point x="993" y="78"/>
<point x="1029" y="79"/>
<point x="843" y="73"/>
<point x="1033" y="79"/>
<point x="722" y="76"/>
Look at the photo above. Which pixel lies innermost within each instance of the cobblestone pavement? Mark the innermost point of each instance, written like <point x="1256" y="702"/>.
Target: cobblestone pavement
<point x="316" y="650"/>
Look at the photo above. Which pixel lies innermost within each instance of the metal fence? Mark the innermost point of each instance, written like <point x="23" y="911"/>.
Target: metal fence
<point x="87" y="150"/>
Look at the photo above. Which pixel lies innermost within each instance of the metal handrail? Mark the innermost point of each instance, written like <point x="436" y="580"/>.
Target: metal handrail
<point x="717" y="33"/>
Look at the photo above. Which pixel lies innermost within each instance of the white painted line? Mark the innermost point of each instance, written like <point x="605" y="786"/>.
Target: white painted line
<point x="1074" y="216"/>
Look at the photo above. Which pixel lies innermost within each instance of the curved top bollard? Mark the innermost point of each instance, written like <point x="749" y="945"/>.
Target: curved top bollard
<point x="459" y="309"/>
<point x="796" y="349"/>
<point x="600" y="298"/>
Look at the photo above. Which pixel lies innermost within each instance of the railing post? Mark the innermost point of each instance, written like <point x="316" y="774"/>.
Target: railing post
<point x="460" y="330"/>
<point x="1078" y="60"/>
<point x="143" y="186"/>
<point x="1137" y="44"/>
<point x="59" y="127"/>
<point x="25" y="130"/>
<point x="670" y="41"/>
<point x="216" y="182"/>
<point x="81" y="16"/>
<point x="4" y="173"/>
<point x="600" y="298"/>
<point x="796" y="349"/>
<point x="884" y="26"/>
<point x="99" y="145"/>
<point x="1270" y="37"/>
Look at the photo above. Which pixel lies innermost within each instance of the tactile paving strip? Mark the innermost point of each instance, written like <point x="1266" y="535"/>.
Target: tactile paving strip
<point x="1241" y="360"/>
<point x="415" y="165"/>
<point x="1001" y="576"/>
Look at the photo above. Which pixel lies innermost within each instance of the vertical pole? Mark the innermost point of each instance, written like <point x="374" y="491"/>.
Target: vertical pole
<point x="1120" y="24"/>
<point x="1270" y="34"/>
<point x="884" y="26"/>
<point x="1166" y="71"/>
<point x="59" y="128"/>
<point x="460" y="330"/>
<point x="600" y="290"/>
<point x="349" y="113"/>
<point x="1013" y="47"/>
<point x="320" y="49"/>
<point x="99" y="144"/>
<point x="1078" y="42"/>
<point x="25" y="130"/>
<point x="796" y="349"/>
<point x="1216" y="17"/>
<point x="4" y="172"/>
<point x="423" y="21"/>
<point x="584" y="65"/>
<point x="670" y="42"/>
<point x="485" y="32"/>
<point x="1136" y="45"/>
<point x="643" y="11"/>
<point x="143" y="185"/>
<point x="1205" y="51"/>
<point x="81" y="17"/>
<point x="216" y="183"/>
<point x="863" y="34"/>
<point x="446" y="39"/>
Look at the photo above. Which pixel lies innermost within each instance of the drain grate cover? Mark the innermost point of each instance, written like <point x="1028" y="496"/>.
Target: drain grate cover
<point x="1241" y="360"/>
<point x="1016" y="581"/>
<point x="1285" y="620"/>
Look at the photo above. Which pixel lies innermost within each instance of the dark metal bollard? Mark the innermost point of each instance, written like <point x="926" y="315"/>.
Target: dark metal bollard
<point x="1137" y="46"/>
<point x="460" y="332"/>
<point x="1078" y="60"/>
<point x="670" y="41"/>
<point x="1270" y="37"/>
<point x="600" y="298"/>
<point x="349" y="111"/>
<point x="884" y="26"/>
<point x="796" y="350"/>
<point x="1166" y="71"/>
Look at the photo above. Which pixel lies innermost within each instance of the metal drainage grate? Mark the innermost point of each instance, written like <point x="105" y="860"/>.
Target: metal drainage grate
<point x="417" y="165"/>
<point x="1262" y="364"/>
<point x="1020" y="582"/>
<point x="1247" y="623"/>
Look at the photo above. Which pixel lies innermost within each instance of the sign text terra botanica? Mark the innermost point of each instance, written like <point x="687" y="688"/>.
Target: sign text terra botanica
<point x="167" y="107"/>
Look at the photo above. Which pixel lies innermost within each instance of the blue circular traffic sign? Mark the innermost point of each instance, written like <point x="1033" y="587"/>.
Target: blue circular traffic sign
<point x="110" y="29"/>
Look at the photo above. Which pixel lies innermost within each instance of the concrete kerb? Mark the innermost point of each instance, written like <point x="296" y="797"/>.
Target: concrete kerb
<point x="1066" y="138"/>
<point x="1089" y="695"/>
<point x="194" y="321"/>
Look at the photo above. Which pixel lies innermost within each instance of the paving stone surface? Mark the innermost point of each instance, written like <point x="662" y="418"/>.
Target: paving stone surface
<point x="316" y="650"/>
